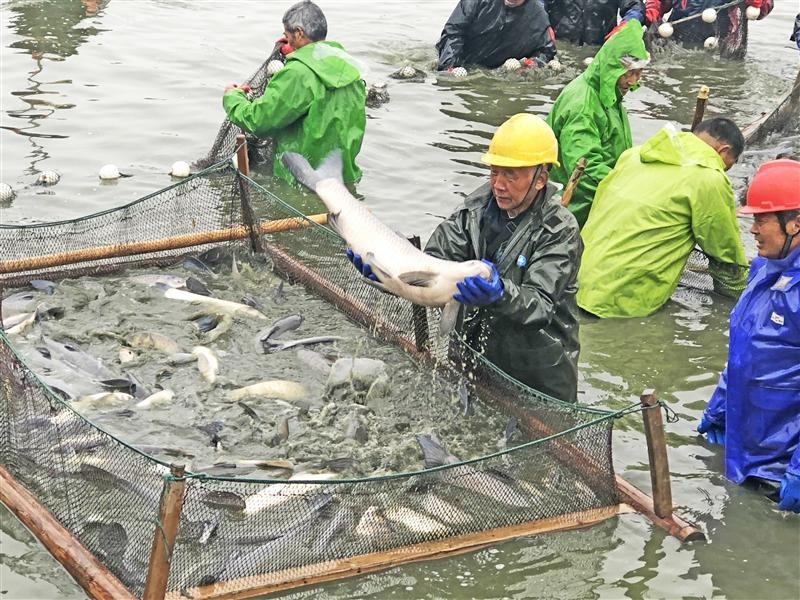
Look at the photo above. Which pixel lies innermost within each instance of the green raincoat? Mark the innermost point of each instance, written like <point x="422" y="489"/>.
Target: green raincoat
<point x="590" y="121"/>
<point x="533" y="328"/>
<point x="660" y="200"/>
<point x="314" y="105"/>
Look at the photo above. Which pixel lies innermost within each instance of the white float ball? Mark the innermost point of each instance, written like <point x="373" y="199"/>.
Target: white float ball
<point x="665" y="30"/>
<point x="48" y="178"/>
<point x="709" y="15"/>
<point x="588" y="60"/>
<point x="407" y="72"/>
<point x="512" y="64"/>
<point x="274" y="66"/>
<point x="109" y="172"/>
<point x="555" y="65"/>
<point x="752" y="13"/>
<point x="6" y="192"/>
<point x="180" y="168"/>
<point x="711" y="43"/>
<point x="459" y="72"/>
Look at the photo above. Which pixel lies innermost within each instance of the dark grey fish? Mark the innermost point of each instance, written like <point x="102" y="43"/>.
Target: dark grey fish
<point x="197" y="287"/>
<point x="118" y="384"/>
<point x="206" y="323"/>
<point x="433" y="452"/>
<point x="337" y="465"/>
<point x="198" y="266"/>
<point x="281" y="433"/>
<point x="279" y="327"/>
<point x="42" y="285"/>
<point x="156" y="450"/>
<point x="464" y="398"/>
<point x="511" y="428"/>
<point x="270" y="346"/>
<point x="278" y="296"/>
<point x="213" y="429"/>
<point x="248" y="410"/>
<point x="252" y="301"/>
<point x="216" y="256"/>
<point x="223" y="500"/>
<point x="123" y="412"/>
<point x="72" y="355"/>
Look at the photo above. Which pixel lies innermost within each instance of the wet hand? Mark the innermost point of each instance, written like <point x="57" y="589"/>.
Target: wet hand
<point x="477" y="291"/>
<point x="790" y="493"/>
<point x="715" y="434"/>
<point x="235" y="86"/>
<point x="359" y="264"/>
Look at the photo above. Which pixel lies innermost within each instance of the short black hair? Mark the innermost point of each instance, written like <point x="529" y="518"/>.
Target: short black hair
<point x="724" y="130"/>
<point x="306" y="16"/>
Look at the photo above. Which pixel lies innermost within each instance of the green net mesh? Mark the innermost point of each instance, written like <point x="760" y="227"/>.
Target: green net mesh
<point x="107" y="493"/>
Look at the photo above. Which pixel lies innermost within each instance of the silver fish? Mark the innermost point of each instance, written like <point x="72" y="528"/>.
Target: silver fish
<point x="272" y="346"/>
<point x="402" y="269"/>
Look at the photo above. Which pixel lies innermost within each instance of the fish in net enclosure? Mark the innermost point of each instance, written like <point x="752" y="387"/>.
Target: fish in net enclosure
<point x="237" y="535"/>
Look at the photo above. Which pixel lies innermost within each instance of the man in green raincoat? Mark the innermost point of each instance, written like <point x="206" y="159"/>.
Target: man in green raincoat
<point x="661" y="199"/>
<point x="314" y="104"/>
<point x="589" y="119"/>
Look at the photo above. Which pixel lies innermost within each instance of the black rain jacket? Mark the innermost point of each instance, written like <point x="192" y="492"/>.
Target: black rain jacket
<point x="487" y="33"/>
<point x="587" y="21"/>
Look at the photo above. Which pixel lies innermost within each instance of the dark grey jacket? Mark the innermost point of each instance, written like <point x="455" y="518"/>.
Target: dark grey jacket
<point x="588" y="21"/>
<point x="531" y="333"/>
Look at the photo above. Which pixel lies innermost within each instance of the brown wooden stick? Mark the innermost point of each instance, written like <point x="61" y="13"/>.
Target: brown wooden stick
<point x="700" y="106"/>
<point x="160" y="245"/>
<point x="166" y="530"/>
<point x="85" y="568"/>
<point x="242" y="160"/>
<point x="657" y="453"/>
<point x="573" y="181"/>
<point x="258" y="585"/>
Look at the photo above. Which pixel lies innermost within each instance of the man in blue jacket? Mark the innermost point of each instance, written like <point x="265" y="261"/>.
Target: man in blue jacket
<point x="755" y="410"/>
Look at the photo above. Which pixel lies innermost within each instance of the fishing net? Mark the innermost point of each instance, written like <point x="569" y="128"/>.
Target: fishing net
<point x="240" y="534"/>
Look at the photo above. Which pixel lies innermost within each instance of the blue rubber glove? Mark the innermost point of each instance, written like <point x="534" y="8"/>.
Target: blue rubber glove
<point x="715" y="434"/>
<point x="790" y="493"/>
<point x="633" y="14"/>
<point x="477" y="291"/>
<point x="363" y="268"/>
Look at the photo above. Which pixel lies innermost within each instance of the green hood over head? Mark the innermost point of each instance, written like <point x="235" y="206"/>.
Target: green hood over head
<point x="681" y="148"/>
<point x="329" y="61"/>
<point x="606" y="67"/>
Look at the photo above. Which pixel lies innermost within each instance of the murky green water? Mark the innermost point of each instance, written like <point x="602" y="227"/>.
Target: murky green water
<point x="139" y="84"/>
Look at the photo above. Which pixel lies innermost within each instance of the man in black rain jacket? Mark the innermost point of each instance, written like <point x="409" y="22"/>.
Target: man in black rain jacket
<point x="488" y="32"/>
<point x="590" y="21"/>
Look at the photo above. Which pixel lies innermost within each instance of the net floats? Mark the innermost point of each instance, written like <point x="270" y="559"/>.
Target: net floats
<point x="711" y="43"/>
<point x="7" y="193"/>
<point x="665" y="30"/>
<point x="109" y="172"/>
<point x="709" y="15"/>
<point x="48" y="178"/>
<point x="274" y="66"/>
<point x="459" y="72"/>
<point x="752" y="13"/>
<point x="180" y="168"/>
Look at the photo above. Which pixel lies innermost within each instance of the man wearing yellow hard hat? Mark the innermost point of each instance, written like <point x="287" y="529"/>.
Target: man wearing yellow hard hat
<point x="524" y="319"/>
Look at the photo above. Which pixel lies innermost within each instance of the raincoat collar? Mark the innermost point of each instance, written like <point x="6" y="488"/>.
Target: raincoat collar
<point x="606" y="68"/>
<point x="328" y="59"/>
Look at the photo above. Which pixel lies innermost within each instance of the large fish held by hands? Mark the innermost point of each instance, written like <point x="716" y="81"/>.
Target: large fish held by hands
<point x="401" y="268"/>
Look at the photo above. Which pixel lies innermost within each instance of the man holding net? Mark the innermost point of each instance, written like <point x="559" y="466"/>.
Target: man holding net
<point x="755" y="410"/>
<point x="524" y="319"/>
<point x="660" y="200"/>
<point x="313" y="105"/>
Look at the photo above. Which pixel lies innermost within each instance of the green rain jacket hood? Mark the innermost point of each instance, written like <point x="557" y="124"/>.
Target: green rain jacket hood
<point x="661" y="200"/>
<point x="533" y="328"/>
<point x="589" y="119"/>
<point x="314" y="105"/>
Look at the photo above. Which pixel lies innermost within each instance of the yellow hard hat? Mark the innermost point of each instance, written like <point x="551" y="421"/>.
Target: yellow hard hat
<point x="524" y="140"/>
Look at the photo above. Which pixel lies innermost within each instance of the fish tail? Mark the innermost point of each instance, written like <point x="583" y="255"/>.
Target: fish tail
<point x="298" y="165"/>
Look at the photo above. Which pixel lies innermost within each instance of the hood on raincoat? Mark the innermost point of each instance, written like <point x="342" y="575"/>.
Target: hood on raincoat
<point x="680" y="148"/>
<point x="607" y="67"/>
<point x="329" y="61"/>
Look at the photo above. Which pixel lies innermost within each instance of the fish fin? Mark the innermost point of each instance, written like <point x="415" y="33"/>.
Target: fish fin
<point x="447" y="322"/>
<point x="418" y="278"/>
<point x="377" y="285"/>
<point x="334" y="224"/>
<point x="298" y="165"/>
<point x="432" y="451"/>
<point x="377" y="268"/>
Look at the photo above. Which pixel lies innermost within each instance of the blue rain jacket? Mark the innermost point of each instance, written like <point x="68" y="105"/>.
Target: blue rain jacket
<point x="757" y="399"/>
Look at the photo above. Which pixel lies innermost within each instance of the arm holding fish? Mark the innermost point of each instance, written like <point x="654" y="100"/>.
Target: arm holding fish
<point x="358" y="263"/>
<point x="287" y="97"/>
<point x="453" y="39"/>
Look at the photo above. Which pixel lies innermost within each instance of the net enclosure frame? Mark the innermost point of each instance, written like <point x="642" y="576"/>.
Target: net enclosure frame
<point x="59" y="471"/>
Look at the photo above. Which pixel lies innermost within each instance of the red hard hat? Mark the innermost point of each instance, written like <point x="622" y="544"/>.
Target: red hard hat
<point x="775" y="187"/>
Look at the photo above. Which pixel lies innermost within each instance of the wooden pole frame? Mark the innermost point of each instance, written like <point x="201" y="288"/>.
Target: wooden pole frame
<point x="657" y="454"/>
<point x="87" y="570"/>
<point x="700" y="106"/>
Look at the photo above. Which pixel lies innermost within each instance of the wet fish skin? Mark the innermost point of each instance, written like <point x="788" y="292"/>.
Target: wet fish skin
<point x="464" y="398"/>
<point x="102" y="399"/>
<point x="164" y="280"/>
<point x="279" y="327"/>
<point x="43" y="285"/>
<point x="159" y="398"/>
<point x="196" y="286"/>
<point x="198" y="266"/>
<point x="276" y="388"/>
<point x="271" y="346"/>
<point x="223" y="500"/>
<point x="72" y="355"/>
<point x="233" y="308"/>
<point x="207" y="363"/>
<point x="152" y="340"/>
<point x="248" y="410"/>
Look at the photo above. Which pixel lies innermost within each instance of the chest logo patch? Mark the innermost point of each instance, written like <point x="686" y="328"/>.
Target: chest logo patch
<point x="782" y="283"/>
<point x="776" y="318"/>
<point x="522" y="261"/>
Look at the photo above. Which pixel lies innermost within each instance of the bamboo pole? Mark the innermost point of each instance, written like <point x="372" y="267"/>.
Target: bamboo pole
<point x="85" y="568"/>
<point x="169" y="516"/>
<point x="657" y="453"/>
<point x="258" y="585"/>
<point x="160" y="245"/>
<point x="573" y="181"/>
<point x="242" y="160"/>
<point x="700" y="106"/>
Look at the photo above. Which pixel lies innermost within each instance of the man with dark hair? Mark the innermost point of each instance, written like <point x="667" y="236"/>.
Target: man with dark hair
<point x="755" y="410"/>
<point x="314" y="104"/>
<point x="590" y="21"/>
<point x="488" y="32"/>
<point x="661" y="199"/>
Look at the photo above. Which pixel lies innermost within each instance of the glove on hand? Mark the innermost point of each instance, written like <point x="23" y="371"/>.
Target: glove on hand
<point x="477" y="291"/>
<point x="790" y="493"/>
<point x="652" y="11"/>
<point x="286" y="47"/>
<point x="359" y="264"/>
<point x="715" y="434"/>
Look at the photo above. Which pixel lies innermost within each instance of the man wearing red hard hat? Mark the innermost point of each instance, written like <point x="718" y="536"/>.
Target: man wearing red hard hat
<point x="755" y="410"/>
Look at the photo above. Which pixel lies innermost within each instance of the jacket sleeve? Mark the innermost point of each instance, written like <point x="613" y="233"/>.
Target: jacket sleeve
<point x="715" y="411"/>
<point x="451" y="43"/>
<point x="547" y="47"/>
<point x="794" y="463"/>
<point x="637" y="6"/>
<point x="451" y="240"/>
<point x="715" y="228"/>
<point x="551" y="269"/>
<point x="286" y="99"/>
